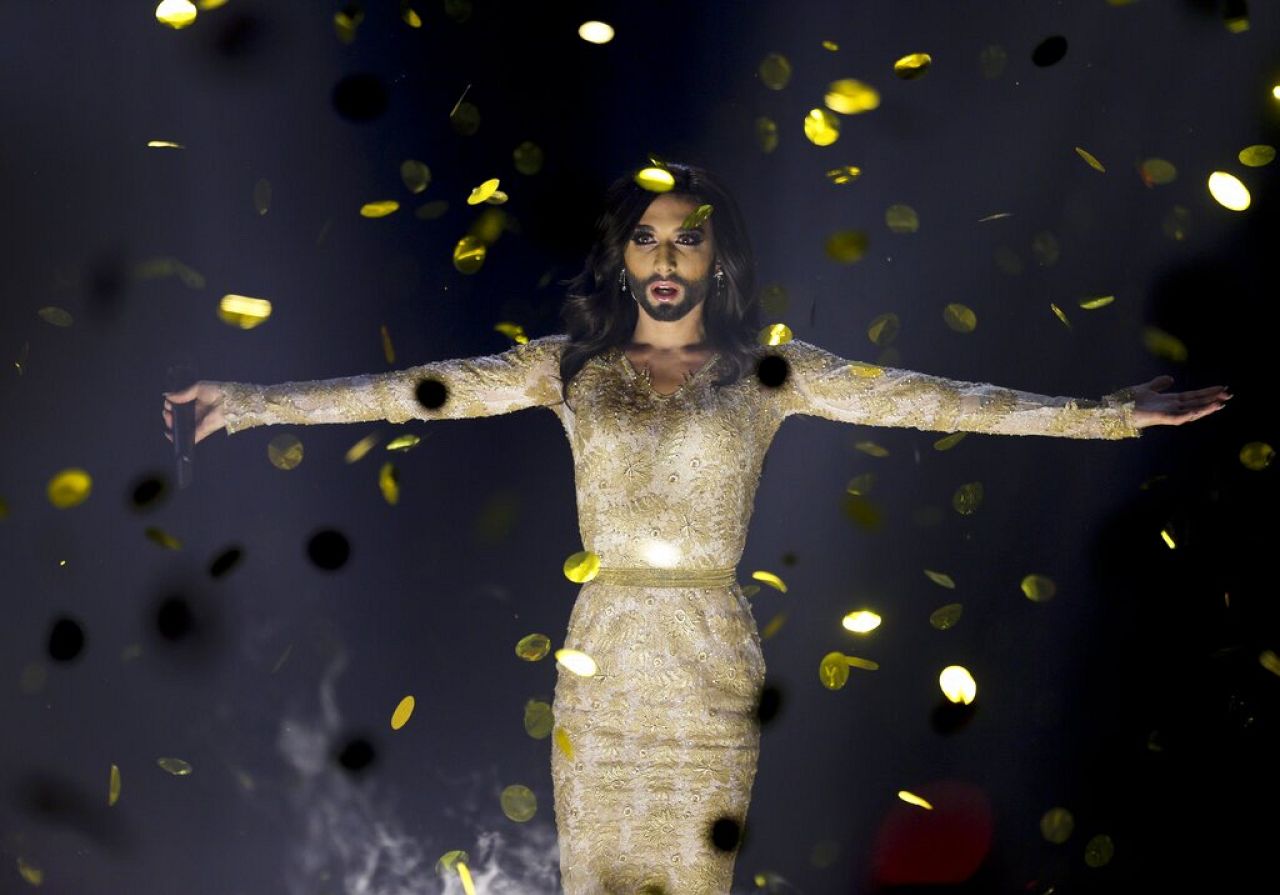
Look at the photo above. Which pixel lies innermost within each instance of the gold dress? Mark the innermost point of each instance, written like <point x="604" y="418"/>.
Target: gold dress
<point x="662" y="742"/>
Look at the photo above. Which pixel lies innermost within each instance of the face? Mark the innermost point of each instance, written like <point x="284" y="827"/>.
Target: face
<point x="670" y="269"/>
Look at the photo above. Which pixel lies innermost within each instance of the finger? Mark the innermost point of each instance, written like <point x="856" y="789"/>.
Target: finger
<point x="1160" y="383"/>
<point x="182" y="396"/>
<point x="1212" y="391"/>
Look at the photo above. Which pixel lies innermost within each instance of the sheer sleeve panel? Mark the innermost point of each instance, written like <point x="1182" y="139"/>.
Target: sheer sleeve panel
<point x="822" y="384"/>
<point x="524" y="376"/>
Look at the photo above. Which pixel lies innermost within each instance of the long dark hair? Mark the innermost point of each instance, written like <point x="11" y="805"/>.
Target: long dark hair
<point x="597" y="315"/>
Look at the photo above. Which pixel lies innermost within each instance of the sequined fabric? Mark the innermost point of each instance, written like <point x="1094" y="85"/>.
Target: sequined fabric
<point x="664" y="737"/>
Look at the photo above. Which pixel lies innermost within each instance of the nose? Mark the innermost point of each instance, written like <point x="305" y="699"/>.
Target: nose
<point x="665" y="260"/>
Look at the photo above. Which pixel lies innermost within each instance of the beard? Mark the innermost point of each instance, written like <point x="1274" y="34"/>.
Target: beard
<point x="694" y="294"/>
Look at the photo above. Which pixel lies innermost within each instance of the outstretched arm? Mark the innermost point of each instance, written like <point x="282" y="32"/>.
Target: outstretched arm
<point x="523" y="376"/>
<point x="822" y="384"/>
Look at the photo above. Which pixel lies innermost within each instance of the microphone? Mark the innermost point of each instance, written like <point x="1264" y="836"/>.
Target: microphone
<point x="179" y="376"/>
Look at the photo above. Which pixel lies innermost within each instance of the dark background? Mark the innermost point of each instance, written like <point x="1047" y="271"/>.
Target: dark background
<point x="1135" y="698"/>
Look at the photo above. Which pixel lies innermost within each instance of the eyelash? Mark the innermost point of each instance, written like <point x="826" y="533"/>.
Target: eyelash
<point x="693" y="240"/>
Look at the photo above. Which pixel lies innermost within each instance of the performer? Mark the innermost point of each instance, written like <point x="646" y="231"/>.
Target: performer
<point x="669" y="404"/>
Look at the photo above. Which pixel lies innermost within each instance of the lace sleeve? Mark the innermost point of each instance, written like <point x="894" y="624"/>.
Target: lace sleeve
<point x="822" y="384"/>
<point x="524" y="376"/>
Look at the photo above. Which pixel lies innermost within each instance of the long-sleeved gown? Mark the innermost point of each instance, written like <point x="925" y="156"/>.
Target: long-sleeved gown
<point x="664" y="737"/>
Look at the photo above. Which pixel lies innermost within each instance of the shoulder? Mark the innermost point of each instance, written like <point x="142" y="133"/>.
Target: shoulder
<point x="544" y="347"/>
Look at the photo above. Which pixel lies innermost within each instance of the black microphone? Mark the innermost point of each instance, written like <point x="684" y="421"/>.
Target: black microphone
<point x="180" y="376"/>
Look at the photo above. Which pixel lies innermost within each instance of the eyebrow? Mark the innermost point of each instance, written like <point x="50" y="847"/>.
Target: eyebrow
<point x="697" y="229"/>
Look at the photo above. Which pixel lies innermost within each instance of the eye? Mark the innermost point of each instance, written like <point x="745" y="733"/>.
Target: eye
<point x="639" y="238"/>
<point x="693" y="238"/>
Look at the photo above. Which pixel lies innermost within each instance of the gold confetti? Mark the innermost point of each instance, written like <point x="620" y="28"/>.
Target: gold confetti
<point x="821" y="128"/>
<point x="176" y="13"/>
<point x="415" y="175"/>
<point x="518" y="803"/>
<point x="379" y="209"/>
<point x="449" y="861"/>
<point x="1235" y="18"/>
<point x="1257" y="155"/>
<point x="1039" y="588"/>
<point x="830" y="45"/>
<point x="1044" y="248"/>
<point x="175" y="766"/>
<point x="770" y="579"/>
<point x="403" y="442"/>
<point x="69" y="488"/>
<point x="162" y="537"/>
<point x="1163" y="344"/>
<point x="773" y="626"/>
<point x="884" y="329"/>
<point x="844" y="174"/>
<point x="400" y="717"/>
<point x="697" y="217"/>
<point x="992" y="61"/>
<point x="958" y="684"/>
<point x="22" y="357"/>
<point x="967" y="499"/>
<point x="833" y="671"/>
<point x="284" y="452"/>
<point x="913" y="65"/>
<point x="655" y="180"/>
<point x="960" y="318"/>
<point x="1099" y="850"/>
<point x="1056" y="825"/>
<point x="468" y="254"/>
<point x="912" y="799"/>
<point x="32" y="874"/>
<point x="411" y="18"/>
<point x="465" y="118"/>
<point x="113" y="786"/>
<point x="514" y="331"/>
<point x="346" y="21"/>
<point x="861" y="621"/>
<point x="483" y="191"/>
<point x="533" y="647"/>
<point x="901" y="219"/>
<point x="164" y="144"/>
<point x="262" y="196"/>
<point x="528" y="158"/>
<point x="242" y="311"/>
<point x="1257" y="455"/>
<point x="1270" y="661"/>
<point x="361" y="447"/>
<point x="774" y="334"/>
<point x="1157" y="172"/>
<point x="595" y="32"/>
<point x="860" y="484"/>
<point x="862" y="511"/>
<point x="1090" y="159"/>
<point x="947" y="442"/>
<point x="850" y="97"/>
<point x="388" y="351"/>
<point x="1100" y="301"/>
<point x="1060" y="314"/>
<point x="945" y="617"/>
<point x="56" y="316"/>
<point x="766" y="134"/>
<point x="576" y="661"/>
<point x="846" y="246"/>
<point x="940" y="578"/>
<point x="864" y="664"/>
<point x="464" y="874"/>
<point x="498" y="198"/>
<point x="999" y="215"/>
<point x="538" y="719"/>
<point x="389" y="483"/>
<point x="775" y="71"/>
<point x="563" y="743"/>
<point x="429" y="211"/>
<point x="582" y="566"/>
<point x="871" y="449"/>
<point x="1167" y="537"/>
<point x="1228" y="191"/>
<point x="1177" y="223"/>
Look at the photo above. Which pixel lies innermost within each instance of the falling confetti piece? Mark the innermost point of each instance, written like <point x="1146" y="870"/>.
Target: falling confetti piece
<point x="1257" y="155"/>
<point x="176" y="13"/>
<point x="411" y="18"/>
<point x="947" y="442"/>
<point x="1099" y="850"/>
<point x="56" y="316"/>
<point x="958" y="684"/>
<point x="967" y="498"/>
<point x="861" y="621"/>
<point x="358" y="450"/>
<point x="379" y="209"/>
<point x="512" y="330"/>
<point x="346" y="22"/>
<point x="1045" y="249"/>
<point x="766" y="134"/>
<point x="844" y="174"/>
<point x="940" y="578"/>
<point x="1235" y="17"/>
<point x="483" y="191"/>
<point x="871" y="449"/>
<point x="913" y="65"/>
<point x="528" y="158"/>
<point x="518" y="803"/>
<point x="1270" y="661"/>
<point x="773" y="626"/>
<point x="1167" y="537"/>
<point x="415" y="175"/>
<point x="912" y="799"/>
<point x="1177" y="223"/>
<point x="999" y="215"/>
<point x="430" y="211"/>
<point x="33" y="875"/>
<point x="400" y="717"/>
<point x="992" y="61"/>
<point x="1090" y="160"/>
<point x="864" y="664"/>
<point x="449" y="861"/>
<point x="884" y="329"/>
<point x="1228" y="191"/>
<point x="655" y="180"/>
<point x="163" y="538"/>
<point x="1157" y="172"/>
<point x="697" y="217"/>
<point x="242" y="311"/>
<point x="576" y="661"/>
<point x="175" y="766"/>
<point x="850" y="97"/>
<point x="770" y="579"/>
<point x="862" y="511"/>
<point x="22" y="357"/>
<point x="901" y="219"/>
<point x="465" y="119"/>
<point x="262" y="196"/>
<point x="582" y="566"/>
<point x="164" y="144"/>
<point x="946" y="617"/>
<point x="533" y="647"/>
<point x="821" y="128"/>
<point x="538" y="719"/>
<point x="113" y="786"/>
<point x="830" y="45"/>
<point x="960" y="318"/>
<point x="860" y="484"/>
<point x="846" y="246"/>
<point x="1257" y="455"/>
<point x="284" y="452"/>
<point x="1039" y="588"/>
<point x="389" y="483"/>
<point x="1092" y="304"/>
<point x="1163" y="344"/>
<point x="595" y="32"/>
<point x="833" y="671"/>
<point x="69" y="488"/>
<point x="774" y="334"/>
<point x="1060" y="314"/>
<point x="1056" y="825"/>
<point x="775" y="71"/>
<point x="563" y="743"/>
<point x="468" y="254"/>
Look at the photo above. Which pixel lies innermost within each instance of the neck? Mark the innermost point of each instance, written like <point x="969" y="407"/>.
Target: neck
<point x="687" y="333"/>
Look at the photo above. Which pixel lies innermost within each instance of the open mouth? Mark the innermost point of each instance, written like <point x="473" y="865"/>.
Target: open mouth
<point x="664" y="292"/>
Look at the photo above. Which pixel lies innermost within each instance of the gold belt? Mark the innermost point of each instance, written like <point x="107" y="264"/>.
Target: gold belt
<point x="655" y="577"/>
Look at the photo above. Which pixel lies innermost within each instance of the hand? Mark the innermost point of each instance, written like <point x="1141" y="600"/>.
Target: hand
<point x="1153" y="407"/>
<point x="209" y="417"/>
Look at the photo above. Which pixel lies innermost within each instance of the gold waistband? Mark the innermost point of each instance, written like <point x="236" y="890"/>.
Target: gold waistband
<point x="655" y="577"/>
